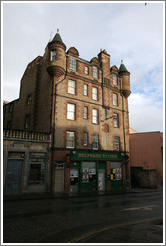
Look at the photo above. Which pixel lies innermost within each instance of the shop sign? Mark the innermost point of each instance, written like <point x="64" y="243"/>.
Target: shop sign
<point x="98" y="156"/>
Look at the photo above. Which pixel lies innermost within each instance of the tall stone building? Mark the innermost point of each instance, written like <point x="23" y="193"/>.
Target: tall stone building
<point x="84" y="107"/>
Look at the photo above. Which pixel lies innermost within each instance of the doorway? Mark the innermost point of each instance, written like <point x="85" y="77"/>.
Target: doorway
<point x="14" y="176"/>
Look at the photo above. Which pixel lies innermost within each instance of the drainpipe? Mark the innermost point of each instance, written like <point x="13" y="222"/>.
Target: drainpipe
<point x="54" y="90"/>
<point x="124" y="135"/>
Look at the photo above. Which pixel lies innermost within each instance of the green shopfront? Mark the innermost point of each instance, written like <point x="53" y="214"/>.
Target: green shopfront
<point x="95" y="171"/>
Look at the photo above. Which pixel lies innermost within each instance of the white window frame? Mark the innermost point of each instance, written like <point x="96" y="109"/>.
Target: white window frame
<point x="115" y="99"/>
<point x="95" y="93"/>
<point x="116" y="142"/>
<point x="116" y="120"/>
<point x="71" y="86"/>
<point x="70" y="140"/>
<point x="86" y="70"/>
<point x="95" y="141"/>
<point x="85" y="112"/>
<point x="115" y="79"/>
<point x="95" y="116"/>
<point x="53" y="55"/>
<point x="85" y="90"/>
<point x="85" y="139"/>
<point x="72" y="63"/>
<point x="95" y="72"/>
<point x="71" y="109"/>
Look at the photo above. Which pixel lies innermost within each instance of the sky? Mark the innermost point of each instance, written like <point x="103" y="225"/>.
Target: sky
<point x="129" y="31"/>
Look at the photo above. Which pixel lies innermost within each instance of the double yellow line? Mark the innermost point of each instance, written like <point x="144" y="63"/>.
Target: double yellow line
<point x="88" y="234"/>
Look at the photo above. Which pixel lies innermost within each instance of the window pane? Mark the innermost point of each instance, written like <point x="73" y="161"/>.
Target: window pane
<point x="70" y="111"/>
<point x="72" y="63"/>
<point x="115" y="82"/>
<point x="85" y="112"/>
<point x="85" y="138"/>
<point x="94" y="93"/>
<point x="115" y="99"/>
<point x="117" y="143"/>
<point x="95" y="141"/>
<point x="95" y="75"/>
<point x="86" y="70"/>
<point x="37" y="173"/>
<point x="85" y="90"/>
<point x="71" y="86"/>
<point x="70" y="141"/>
<point x="27" y="122"/>
<point x="116" y="120"/>
<point x="53" y="55"/>
<point x="95" y="116"/>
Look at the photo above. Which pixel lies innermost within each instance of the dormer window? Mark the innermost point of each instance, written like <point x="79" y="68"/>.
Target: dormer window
<point x="72" y="63"/>
<point x="115" y="79"/>
<point x="53" y="55"/>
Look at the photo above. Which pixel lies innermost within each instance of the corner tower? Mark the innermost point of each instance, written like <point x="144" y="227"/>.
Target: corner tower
<point x="57" y="58"/>
<point x="125" y="78"/>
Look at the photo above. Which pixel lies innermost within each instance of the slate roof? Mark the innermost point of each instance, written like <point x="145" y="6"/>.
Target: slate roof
<point x="122" y="68"/>
<point x="57" y="38"/>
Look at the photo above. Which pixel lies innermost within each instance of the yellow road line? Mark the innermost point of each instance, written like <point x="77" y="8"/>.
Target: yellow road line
<point x="88" y="234"/>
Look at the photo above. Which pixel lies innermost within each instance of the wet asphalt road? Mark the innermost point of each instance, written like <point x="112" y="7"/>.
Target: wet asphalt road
<point x="124" y="218"/>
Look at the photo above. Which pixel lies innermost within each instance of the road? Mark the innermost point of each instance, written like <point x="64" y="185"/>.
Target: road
<point x="123" y="218"/>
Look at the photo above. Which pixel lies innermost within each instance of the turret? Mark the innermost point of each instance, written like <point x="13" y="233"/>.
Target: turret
<point x="57" y="57"/>
<point x="125" y="80"/>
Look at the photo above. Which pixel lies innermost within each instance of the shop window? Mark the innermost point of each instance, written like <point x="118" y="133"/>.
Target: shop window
<point x="116" y="143"/>
<point x="72" y="87"/>
<point x="95" y="116"/>
<point x="95" y="141"/>
<point x="27" y="122"/>
<point x="85" y="112"/>
<point x="73" y="176"/>
<point x="86" y="70"/>
<point x="72" y="63"/>
<point x="85" y="90"/>
<point x="116" y="120"/>
<point x="29" y="100"/>
<point x="71" y="111"/>
<point x="95" y="72"/>
<point x="94" y="93"/>
<point x="116" y="171"/>
<point x="115" y="79"/>
<point x="53" y="55"/>
<point x="115" y="99"/>
<point x="70" y="140"/>
<point x="85" y="139"/>
<point x="37" y="171"/>
<point x="88" y="172"/>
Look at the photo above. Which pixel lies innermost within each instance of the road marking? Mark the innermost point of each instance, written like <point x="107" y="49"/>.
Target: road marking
<point x="140" y="208"/>
<point x="88" y="234"/>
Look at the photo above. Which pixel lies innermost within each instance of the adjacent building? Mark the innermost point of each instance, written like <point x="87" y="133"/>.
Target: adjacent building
<point x="83" y="106"/>
<point x="146" y="159"/>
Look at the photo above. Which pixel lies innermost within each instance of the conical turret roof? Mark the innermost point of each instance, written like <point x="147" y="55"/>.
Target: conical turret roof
<point x="122" y="68"/>
<point x="57" y="39"/>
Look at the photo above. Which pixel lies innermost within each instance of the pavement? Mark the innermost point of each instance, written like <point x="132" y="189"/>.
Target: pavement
<point x="36" y="196"/>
